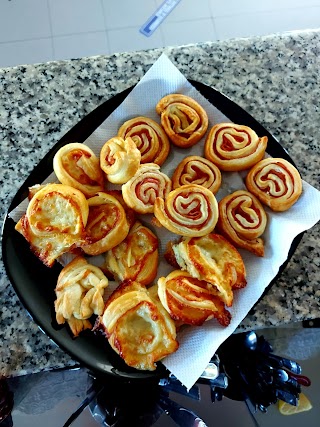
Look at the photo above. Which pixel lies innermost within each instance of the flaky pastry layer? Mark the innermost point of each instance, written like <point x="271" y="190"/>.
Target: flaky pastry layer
<point x="149" y="137"/>
<point x="190" y="210"/>
<point x="79" y="294"/>
<point x="242" y="220"/>
<point x="137" y="327"/>
<point x="191" y="301"/>
<point x="76" y="165"/>
<point x="275" y="182"/>
<point x="234" y="147"/>
<point x="183" y="119"/>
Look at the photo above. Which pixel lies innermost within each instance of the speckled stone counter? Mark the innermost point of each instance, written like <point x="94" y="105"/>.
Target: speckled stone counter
<point x="275" y="78"/>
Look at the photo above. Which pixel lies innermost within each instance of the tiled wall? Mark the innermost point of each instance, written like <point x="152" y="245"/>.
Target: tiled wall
<point x="42" y="30"/>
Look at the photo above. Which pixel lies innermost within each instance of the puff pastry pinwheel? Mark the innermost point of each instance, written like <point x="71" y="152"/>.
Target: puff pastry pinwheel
<point x="107" y="224"/>
<point x="136" y="258"/>
<point x="191" y="301"/>
<point x="197" y="170"/>
<point x="190" y="210"/>
<point x="213" y="259"/>
<point x="275" y="182"/>
<point x="76" y="165"/>
<point x="137" y="327"/>
<point x="183" y="119"/>
<point x="119" y="159"/>
<point x="55" y="221"/>
<point x="234" y="147"/>
<point x="141" y="191"/>
<point x="79" y="293"/>
<point x="242" y="220"/>
<point x="149" y="137"/>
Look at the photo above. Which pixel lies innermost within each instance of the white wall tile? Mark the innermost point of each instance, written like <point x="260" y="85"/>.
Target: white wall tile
<point x="21" y="20"/>
<point x="76" y="16"/>
<point x="80" y="45"/>
<point x="130" y="39"/>
<point x="129" y="13"/>
<point x="177" y="33"/>
<point x="262" y="23"/>
<point x="234" y="7"/>
<point x="25" y="52"/>
<point x="188" y="10"/>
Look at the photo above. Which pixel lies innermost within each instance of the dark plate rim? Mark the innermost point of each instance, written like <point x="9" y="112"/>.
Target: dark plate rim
<point x="80" y="132"/>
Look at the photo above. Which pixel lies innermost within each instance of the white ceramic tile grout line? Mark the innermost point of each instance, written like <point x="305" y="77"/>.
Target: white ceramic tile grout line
<point x="156" y="18"/>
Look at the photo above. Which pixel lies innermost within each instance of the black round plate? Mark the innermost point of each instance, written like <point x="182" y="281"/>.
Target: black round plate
<point x="34" y="283"/>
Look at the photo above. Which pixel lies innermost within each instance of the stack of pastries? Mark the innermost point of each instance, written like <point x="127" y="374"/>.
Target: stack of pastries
<point x="106" y="210"/>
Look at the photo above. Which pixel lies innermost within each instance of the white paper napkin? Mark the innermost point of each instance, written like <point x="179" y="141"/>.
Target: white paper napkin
<point x="198" y="344"/>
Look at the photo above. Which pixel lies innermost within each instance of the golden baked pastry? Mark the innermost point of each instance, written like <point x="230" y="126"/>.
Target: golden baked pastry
<point x="119" y="159"/>
<point x="242" y="220"/>
<point x="275" y="182"/>
<point x="183" y="119"/>
<point x="213" y="259"/>
<point x="130" y="213"/>
<point x="107" y="224"/>
<point x="149" y="137"/>
<point x="55" y="221"/>
<point x="140" y="192"/>
<point x="136" y="258"/>
<point x="137" y="327"/>
<point x="190" y="210"/>
<point x="76" y="165"/>
<point x="191" y="301"/>
<point x="79" y="293"/>
<point x="234" y="147"/>
<point x="197" y="170"/>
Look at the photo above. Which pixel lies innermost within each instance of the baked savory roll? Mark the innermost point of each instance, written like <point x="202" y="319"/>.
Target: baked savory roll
<point x="197" y="170"/>
<point x="119" y="159"/>
<point x="107" y="224"/>
<point x="79" y="293"/>
<point x="183" y="119"/>
<point x="136" y="258"/>
<point x="76" y="165"/>
<point x="55" y="221"/>
<point x="137" y="327"/>
<point x="191" y="301"/>
<point x="130" y="213"/>
<point x="234" y="147"/>
<point x="140" y="192"/>
<point x="190" y="210"/>
<point x="213" y="259"/>
<point x="275" y="182"/>
<point x="149" y="137"/>
<point x="242" y="220"/>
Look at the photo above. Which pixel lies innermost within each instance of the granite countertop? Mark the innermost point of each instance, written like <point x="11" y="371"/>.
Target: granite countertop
<point x="275" y="78"/>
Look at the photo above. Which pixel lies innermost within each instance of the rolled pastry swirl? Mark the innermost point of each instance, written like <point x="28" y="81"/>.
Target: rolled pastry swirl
<point x="183" y="119"/>
<point x="190" y="210"/>
<point x="137" y="327"/>
<point x="234" y="147"/>
<point x="213" y="259"/>
<point x="79" y="293"/>
<point x="242" y="220"/>
<point x="141" y="191"/>
<point x="55" y="221"/>
<point x="107" y="224"/>
<point x="191" y="301"/>
<point x="197" y="170"/>
<point x="149" y="137"/>
<point x="76" y="165"/>
<point x="275" y="182"/>
<point x="136" y="257"/>
<point x="119" y="159"/>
